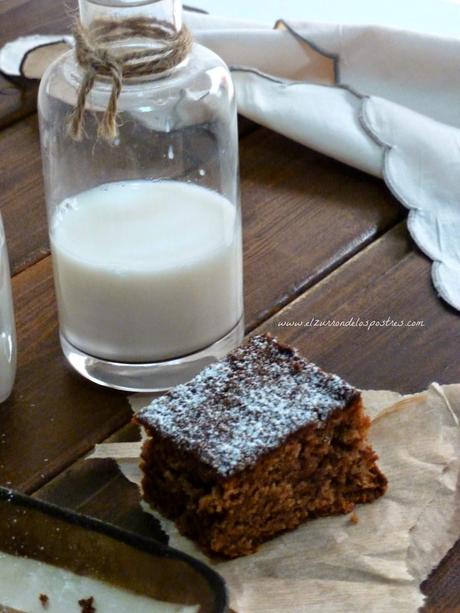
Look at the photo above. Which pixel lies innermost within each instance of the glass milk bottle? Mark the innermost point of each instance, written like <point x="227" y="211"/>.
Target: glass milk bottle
<point x="144" y="216"/>
<point x="7" y="327"/>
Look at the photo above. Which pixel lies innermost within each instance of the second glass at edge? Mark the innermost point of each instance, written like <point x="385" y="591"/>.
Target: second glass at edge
<point x="146" y="231"/>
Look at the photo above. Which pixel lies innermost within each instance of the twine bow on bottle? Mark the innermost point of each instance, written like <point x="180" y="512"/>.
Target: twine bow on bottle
<point x="98" y="59"/>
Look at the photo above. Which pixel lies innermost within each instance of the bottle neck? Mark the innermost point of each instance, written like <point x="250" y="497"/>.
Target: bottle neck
<point x="164" y="10"/>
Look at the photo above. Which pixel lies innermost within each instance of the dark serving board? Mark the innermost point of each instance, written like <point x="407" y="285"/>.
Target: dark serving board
<point x="89" y="547"/>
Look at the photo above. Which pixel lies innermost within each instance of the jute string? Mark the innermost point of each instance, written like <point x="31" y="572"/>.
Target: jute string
<point x="98" y="59"/>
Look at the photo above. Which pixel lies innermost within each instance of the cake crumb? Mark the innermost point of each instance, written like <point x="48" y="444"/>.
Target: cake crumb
<point x="87" y="605"/>
<point x="354" y="519"/>
<point x="44" y="600"/>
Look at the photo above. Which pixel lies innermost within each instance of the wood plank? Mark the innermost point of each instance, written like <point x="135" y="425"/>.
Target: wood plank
<point x="17" y="100"/>
<point x="23" y="17"/>
<point x="304" y="214"/>
<point x="22" y="200"/>
<point x="389" y="278"/>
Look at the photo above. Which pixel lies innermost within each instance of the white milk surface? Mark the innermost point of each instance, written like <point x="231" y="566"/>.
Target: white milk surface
<point x="7" y="328"/>
<point x="147" y="270"/>
<point x="22" y="581"/>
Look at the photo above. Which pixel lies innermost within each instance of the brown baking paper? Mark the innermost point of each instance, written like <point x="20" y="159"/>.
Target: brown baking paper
<point x="333" y="564"/>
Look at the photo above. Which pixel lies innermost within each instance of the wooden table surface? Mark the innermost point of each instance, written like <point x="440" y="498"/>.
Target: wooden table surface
<point x="321" y="241"/>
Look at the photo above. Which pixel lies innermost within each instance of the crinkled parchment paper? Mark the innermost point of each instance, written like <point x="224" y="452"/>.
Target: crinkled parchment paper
<point x="377" y="564"/>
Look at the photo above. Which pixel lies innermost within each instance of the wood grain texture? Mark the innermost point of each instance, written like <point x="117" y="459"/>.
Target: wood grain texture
<point x="23" y="17"/>
<point x="304" y="214"/>
<point x="17" y="99"/>
<point x="372" y="360"/>
<point x="22" y="199"/>
<point x="388" y="280"/>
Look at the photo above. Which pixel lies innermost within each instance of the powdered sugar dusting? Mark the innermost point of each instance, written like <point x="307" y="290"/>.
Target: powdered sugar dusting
<point x="236" y="410"/>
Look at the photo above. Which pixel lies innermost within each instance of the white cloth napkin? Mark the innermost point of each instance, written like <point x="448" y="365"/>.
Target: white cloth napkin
<point x="380" y="98"/>
<point x="384" y="98"/>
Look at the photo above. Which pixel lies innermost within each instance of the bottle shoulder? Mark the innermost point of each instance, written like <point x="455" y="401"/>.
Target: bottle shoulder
<point x="201" y="74"/>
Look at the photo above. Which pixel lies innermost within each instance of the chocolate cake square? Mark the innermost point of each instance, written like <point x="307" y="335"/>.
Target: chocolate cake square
<point x="255" y="445"/>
